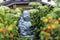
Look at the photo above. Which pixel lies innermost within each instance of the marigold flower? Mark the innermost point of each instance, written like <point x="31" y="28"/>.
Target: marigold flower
<point x="4" y="31"/>
<point x="50" y="17"/>
<point x="10" y="28"/>
<point x="1" y="29"/>
<point x="56" y="22"/>
<point x="11" y="35"/>
<point x="59" y="19"/>
<point x="53" y="26"/>
<point x="45" y="20"/>
<point x="49" y="27"/>
<point x="51" y="21"/>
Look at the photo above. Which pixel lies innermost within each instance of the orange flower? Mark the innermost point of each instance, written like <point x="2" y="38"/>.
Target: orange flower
<point x="11" y="35"/>
<point x="51" y="21"/>
<point x="48" y="34"/>
<point x="49" y="27"/>
<point x="4" y="31"/>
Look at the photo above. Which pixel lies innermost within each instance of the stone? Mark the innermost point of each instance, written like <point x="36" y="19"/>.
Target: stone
<point x="25" y="24"/>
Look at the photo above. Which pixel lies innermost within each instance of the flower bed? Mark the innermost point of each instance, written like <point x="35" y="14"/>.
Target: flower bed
<point x="47" y="20"/>
<point x="51" y="28"/>
<point x="8" y="22"/>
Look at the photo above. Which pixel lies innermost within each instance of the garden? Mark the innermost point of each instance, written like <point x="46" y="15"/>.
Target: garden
<point x="45" y="18"/>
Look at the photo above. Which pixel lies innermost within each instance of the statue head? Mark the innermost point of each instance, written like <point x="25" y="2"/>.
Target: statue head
<point x="26" y="15"/>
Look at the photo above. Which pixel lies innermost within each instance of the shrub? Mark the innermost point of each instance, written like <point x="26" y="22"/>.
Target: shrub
<point x="8" y="21"/>
<point x="41" y="21"/>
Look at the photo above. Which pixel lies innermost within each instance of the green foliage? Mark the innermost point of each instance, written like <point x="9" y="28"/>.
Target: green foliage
<point x="39" y="11"/>
<point x="34" y="4"/>
<point x="57" y="11"/>
<point x="45" y="11"/>
<point x="34" y="17"/>
<point x="54" y="31"/>
<point x="8" y="22"/>
<point x="57" y="2"/>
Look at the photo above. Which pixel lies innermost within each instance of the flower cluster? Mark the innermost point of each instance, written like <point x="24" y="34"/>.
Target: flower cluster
<point x="8" y="22"/>
<point x="51" y="25"/>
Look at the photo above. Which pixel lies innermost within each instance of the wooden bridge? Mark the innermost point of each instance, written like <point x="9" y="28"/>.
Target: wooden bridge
<point x="20" y="3"/>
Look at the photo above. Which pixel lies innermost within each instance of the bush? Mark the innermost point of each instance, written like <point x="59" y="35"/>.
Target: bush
<point x="41" y="21"/>
<point x="8" y="21"/>
<point x="51" y="28"/>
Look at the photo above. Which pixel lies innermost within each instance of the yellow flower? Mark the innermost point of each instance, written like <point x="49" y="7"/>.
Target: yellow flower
<point x="50" y="17"/>
<point x="56" y="22"/>
<point x="45" y="20"/>
<point x="42" y="32"/>
<point x="10" y="28"/>
<point x="1" y="29"/>
<point x="53" y="26"/>
<point x="59" y="19"/>
<point x="49" y="27"/>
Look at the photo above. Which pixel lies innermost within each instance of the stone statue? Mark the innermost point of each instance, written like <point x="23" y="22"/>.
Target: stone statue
<point x="25" y="24"/>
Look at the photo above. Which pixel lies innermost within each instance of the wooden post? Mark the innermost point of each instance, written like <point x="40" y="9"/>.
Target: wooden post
<point x="14" y="6"/>
<point x="4" y="0"/>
